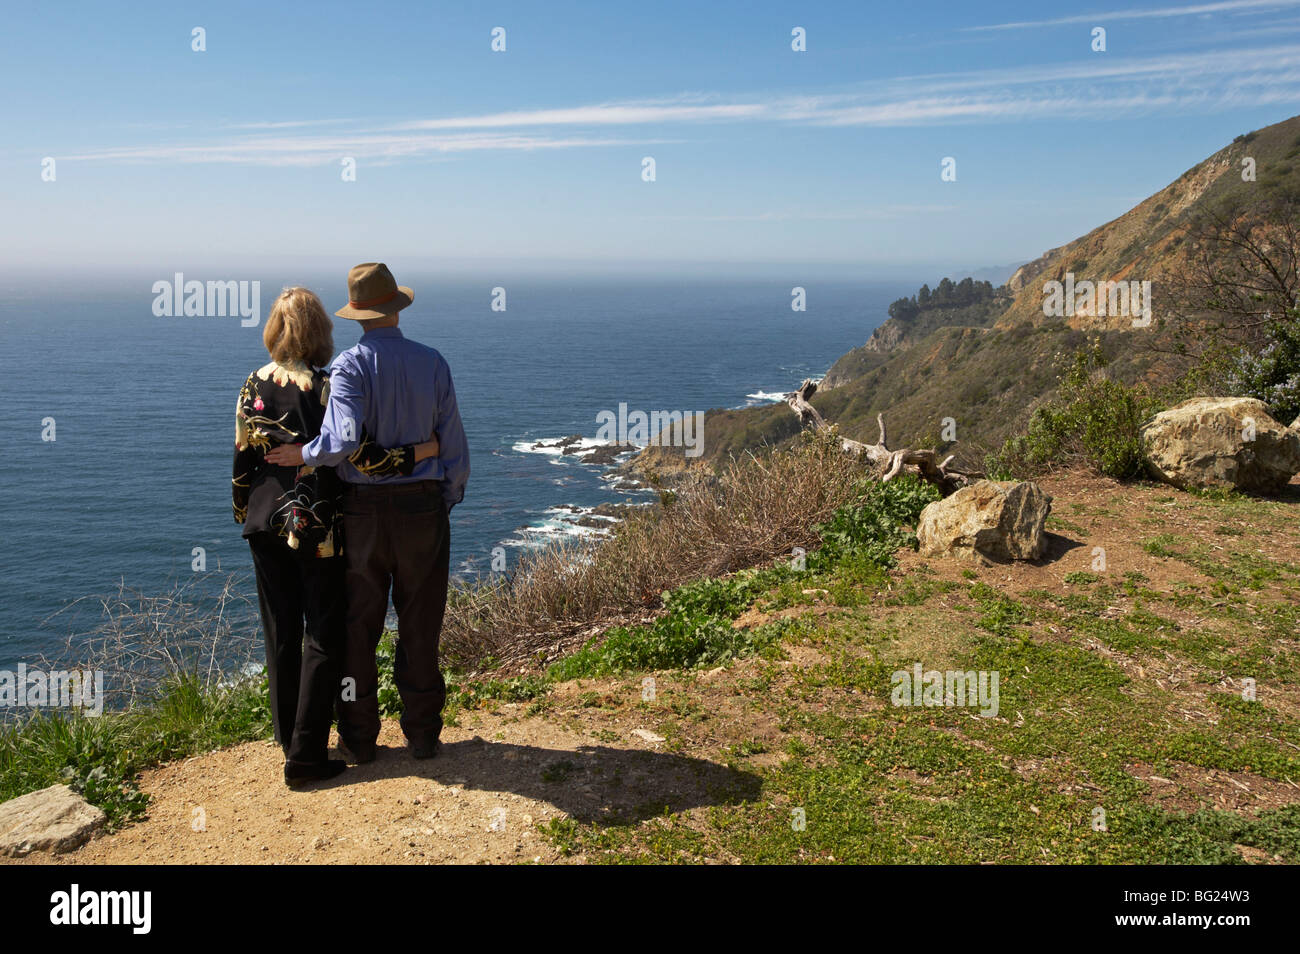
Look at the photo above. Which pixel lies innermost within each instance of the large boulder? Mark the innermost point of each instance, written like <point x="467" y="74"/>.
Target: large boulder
<point x="1221" y="442"/>
<point x="54" y="819"/>
<point x="992" y="520"/>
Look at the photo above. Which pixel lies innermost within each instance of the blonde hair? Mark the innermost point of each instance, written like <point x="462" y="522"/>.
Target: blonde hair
<point x="298" y="329"/>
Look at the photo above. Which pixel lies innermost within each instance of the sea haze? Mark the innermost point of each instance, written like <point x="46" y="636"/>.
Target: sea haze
<point x="139" y="474"/>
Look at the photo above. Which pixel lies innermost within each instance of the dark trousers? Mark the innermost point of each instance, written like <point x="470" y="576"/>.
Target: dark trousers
<point x="304" y="676"/>
<point x="397" y="537"/>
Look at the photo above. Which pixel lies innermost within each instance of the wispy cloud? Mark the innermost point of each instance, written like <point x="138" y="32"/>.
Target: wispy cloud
<point x="307" y="151"/>
<point x="1273" y="29"/>
<point x="1091" y="88"/>
<point x="603" y="114"/>
<point x="290" y="124"/>
<point x="1095" y="88"/>
<point x="1144" y="13"/>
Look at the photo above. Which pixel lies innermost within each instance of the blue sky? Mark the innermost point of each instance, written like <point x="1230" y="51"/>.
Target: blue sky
<point x="168" y="158"/>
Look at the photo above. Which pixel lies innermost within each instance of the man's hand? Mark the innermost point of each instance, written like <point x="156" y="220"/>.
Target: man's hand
<point x="427" y="449"/>
<point x="285" y="455"/>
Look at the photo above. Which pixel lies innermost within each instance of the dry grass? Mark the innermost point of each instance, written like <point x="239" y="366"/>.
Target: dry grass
<point x="206" y="627"/>
<point x="755" y="509"/>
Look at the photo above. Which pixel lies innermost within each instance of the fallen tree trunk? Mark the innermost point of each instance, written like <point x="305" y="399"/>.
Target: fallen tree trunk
<point x="923" y="463"/>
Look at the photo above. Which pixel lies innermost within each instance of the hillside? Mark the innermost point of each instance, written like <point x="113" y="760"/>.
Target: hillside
<point x="987" y="364"/>
<point x="965" y="304"/>
<point x="1121" y="691"/>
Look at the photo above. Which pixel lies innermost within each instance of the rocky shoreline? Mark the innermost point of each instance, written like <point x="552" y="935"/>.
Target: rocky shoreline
<point x="627" y="468"/>
<point x="575" y="445"/>
<point x="615" y="459"/>
<point x="599" y="517"/>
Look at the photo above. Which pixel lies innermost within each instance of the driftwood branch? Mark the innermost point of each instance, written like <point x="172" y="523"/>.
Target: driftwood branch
<point x="923" y="463"/>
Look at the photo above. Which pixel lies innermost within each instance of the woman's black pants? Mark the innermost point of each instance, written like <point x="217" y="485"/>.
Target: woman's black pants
<point x="304" y="673"/>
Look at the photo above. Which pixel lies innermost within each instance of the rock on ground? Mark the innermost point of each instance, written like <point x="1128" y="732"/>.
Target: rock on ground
<point x="993" y="520"/>
<point x="1223" y="442"/>
<point x="54" y="819"/>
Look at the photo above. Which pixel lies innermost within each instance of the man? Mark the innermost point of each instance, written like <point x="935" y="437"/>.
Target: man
<point x="392" y="391"/>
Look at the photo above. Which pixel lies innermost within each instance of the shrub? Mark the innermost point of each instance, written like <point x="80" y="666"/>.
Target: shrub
<point x="1271" y="373"/>
<point x="1093" y="421"/>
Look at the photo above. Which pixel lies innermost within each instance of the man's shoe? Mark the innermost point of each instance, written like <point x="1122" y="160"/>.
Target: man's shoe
<point x="358" y="754"/>
<point x="426" y="750"/>
<point x="301" y="773"/>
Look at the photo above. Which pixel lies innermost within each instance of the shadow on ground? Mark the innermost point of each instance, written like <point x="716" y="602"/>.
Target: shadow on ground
<point x="593" y="783"/>
<point x="1057" y="547"/>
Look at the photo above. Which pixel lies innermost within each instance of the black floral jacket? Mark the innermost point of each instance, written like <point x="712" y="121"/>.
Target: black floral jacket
<point x="285" y="404"/>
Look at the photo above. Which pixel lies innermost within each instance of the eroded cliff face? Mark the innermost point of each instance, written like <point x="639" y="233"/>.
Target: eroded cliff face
<point x="1142" y="245"/>
<point x="885" y="338"/>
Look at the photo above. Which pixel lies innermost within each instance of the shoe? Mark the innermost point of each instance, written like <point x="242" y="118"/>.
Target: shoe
<point x="357" y="754"/>
<point x="300" y="773"/>
<point x="426" y="750"/>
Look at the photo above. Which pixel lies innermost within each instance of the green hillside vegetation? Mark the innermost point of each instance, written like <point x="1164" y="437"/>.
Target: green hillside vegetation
<point x="986" y="379"/>
<point x="982" y="379"/>
<point x="1090" y="729"/>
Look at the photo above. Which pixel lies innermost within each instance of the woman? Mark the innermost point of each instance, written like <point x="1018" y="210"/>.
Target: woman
<point x="292" y="523"/>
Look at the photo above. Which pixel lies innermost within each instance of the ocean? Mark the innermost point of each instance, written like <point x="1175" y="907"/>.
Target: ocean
<point x="138" y="473"/>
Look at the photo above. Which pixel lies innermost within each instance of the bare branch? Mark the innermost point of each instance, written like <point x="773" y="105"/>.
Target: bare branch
<point x="923" y="463"/>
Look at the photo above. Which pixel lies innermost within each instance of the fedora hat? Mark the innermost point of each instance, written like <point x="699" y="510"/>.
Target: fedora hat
<point x="373" y="292"/>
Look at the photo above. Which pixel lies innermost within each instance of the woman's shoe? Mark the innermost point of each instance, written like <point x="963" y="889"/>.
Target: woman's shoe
<point x="300" y="773"/>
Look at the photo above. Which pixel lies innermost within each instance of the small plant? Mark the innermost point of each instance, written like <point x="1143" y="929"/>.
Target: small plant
<point x="1161" y="545"/>
<point x="475" y="694"/>
<point x="115" y="793"/>
<point x="1217" y="494"/>
<point x="725" y="596"/>
<point x="875" y="526"/>
<point x="390" y="700"/>
<point x="1000" y="614"/>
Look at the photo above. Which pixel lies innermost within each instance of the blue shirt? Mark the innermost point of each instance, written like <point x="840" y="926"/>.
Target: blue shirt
<point x="398" y="392"/>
